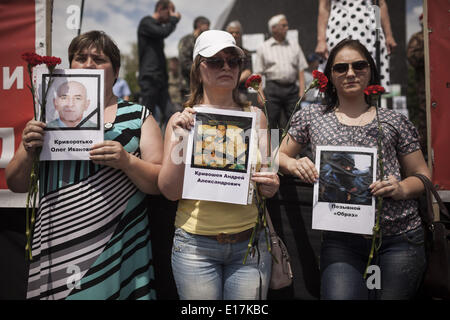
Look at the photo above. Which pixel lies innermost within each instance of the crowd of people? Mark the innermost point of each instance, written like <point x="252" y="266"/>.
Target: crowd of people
<point x="94" y="213"/>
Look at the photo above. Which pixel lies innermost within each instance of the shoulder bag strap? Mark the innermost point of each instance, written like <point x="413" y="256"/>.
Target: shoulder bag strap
<point x="431" y="190"/>
<point x="269" y="224"/>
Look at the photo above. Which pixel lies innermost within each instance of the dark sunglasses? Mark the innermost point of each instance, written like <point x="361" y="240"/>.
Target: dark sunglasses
<point x="356" y="66"/>
<point x="218" y="63"/>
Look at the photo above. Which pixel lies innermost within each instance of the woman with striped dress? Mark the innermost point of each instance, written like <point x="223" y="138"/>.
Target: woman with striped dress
<point x="91" y="238"/>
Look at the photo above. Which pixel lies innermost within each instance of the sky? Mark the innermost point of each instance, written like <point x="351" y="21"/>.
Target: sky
<point x="414" y="10"/>
<point x="120" y="19"/>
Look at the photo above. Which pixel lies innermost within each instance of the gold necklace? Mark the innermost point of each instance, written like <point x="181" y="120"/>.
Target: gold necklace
<point x="361" y="117"/>
<point x="352" y="129"/>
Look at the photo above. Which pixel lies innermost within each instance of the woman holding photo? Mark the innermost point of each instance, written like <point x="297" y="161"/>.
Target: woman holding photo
<point x="348" y="119"/>
<point x="211" y="238"/>
<point x="91" y="238"/>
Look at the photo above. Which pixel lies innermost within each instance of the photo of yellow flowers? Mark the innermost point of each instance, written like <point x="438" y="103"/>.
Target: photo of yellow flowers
<point x="221" y="142"/>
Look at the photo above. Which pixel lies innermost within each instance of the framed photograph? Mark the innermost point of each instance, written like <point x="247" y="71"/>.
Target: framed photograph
<point x="73" y="112"/>
<point x="219" y="156"/>
<point x="73" y="102"/>
<point x="342" y="200"/>
<point x="220" y="142"/>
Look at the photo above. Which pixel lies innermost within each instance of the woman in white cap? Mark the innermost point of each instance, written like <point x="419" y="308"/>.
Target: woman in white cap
<point x="211" y="238"/>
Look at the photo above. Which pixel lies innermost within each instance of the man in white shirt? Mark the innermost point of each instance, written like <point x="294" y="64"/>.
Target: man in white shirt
<point x="282" y="63"/>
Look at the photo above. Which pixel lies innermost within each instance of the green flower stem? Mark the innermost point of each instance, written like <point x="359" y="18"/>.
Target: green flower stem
<point x="376" y="229"/>
<point x="266" y="113"/>
<point x="376" y="233"/>
<point x="297" y="105"/>
<point x="32" y="196"/>
<point x="250" y="244"/>
<point x="30" y="72"/>
<point x="32" y="202"/>
<point x="27" y="223"/>
<point x="261" y="204"/>
<point x="261" y="201"/>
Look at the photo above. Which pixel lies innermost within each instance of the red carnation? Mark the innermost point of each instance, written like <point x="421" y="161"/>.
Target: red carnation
<point x="253" y="81"/>
<point x="51" y="61"/>
<point x="32" y="58"/>
<point x="320" y="81"/>
<point x="374" y="90"/>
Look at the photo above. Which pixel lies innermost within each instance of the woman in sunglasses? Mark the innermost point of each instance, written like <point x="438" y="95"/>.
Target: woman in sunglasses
<point x="211" y="238"/>
<point x="347" y="118"/>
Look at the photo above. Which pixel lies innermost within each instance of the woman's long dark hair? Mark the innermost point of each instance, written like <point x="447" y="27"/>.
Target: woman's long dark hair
<point x="330" y="97"/>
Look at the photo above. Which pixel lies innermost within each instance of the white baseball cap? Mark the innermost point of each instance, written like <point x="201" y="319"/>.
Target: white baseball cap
<point x="210" y="42"/>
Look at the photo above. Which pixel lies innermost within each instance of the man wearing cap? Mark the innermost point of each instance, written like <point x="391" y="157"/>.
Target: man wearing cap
<point x="282" y="62"/>
<point x="153" y="78"/>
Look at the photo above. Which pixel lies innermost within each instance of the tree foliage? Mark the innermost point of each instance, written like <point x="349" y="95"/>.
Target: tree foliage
<point x="130" y="65"/>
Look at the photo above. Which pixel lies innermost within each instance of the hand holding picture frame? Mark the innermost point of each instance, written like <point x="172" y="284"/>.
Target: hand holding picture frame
<point x="220" y="154"/>
<point x="73" y="112"/>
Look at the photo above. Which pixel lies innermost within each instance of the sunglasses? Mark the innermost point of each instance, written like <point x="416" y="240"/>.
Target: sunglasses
<point x="218" y="63"/>
<point x="356" y="66"/>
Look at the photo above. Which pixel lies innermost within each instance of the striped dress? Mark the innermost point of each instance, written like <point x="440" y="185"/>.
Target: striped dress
<point x="91" y="238"/>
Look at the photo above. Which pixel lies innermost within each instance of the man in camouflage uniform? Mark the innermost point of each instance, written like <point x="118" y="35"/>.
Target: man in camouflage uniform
<point x="415" y="54"/>
<point x="186" y="49"/>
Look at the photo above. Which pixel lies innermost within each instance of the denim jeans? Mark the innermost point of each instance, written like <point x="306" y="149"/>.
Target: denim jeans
<point x="401" y="261"/>
<point x="204" y="269"/>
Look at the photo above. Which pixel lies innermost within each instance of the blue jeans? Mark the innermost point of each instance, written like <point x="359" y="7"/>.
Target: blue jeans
<point x="204" y="269"/>
<point x="401" y="261"/>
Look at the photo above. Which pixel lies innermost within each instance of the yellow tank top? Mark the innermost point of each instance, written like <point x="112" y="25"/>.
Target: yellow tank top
<point x="211" y="218"/>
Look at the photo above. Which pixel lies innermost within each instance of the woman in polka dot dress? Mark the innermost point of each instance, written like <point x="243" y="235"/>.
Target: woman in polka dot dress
<point x="355" y="19"/>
